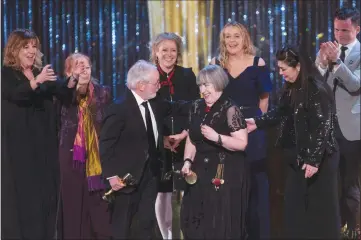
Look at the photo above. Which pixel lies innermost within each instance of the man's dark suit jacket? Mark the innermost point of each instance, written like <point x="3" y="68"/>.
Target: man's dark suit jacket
<point x="123" y="140"/>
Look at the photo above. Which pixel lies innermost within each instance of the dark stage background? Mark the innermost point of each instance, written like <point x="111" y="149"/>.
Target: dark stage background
<point x="115" y="34"/>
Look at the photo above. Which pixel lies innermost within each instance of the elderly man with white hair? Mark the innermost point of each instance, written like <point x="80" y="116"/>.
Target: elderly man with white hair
<point x="131" y="142"/>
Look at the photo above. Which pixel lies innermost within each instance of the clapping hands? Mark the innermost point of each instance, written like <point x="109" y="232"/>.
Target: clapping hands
<point x="329" y="51"/>
<point x="47" y="74"/>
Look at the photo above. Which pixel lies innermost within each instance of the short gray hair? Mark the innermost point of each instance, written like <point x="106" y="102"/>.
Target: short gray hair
<point x="139" y="72"/>
<point x="215" y="75"/>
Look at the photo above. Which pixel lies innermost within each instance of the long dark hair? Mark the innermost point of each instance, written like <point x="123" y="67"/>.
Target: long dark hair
<point x="308" y="74"/>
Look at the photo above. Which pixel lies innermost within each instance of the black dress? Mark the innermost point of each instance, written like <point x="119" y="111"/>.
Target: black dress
<point x="306" y="135"/>
<point x="206" y="212"/>
<point x="30" y="171"/>
<point x="181" y="86"/>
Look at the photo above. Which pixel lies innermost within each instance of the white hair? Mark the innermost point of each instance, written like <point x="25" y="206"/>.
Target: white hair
<point x="139" y="72"/>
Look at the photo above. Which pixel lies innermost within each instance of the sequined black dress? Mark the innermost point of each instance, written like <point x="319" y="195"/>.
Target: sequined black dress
<point x="208" y="213"/>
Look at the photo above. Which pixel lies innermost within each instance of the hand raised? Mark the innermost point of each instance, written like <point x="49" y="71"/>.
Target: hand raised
<point x="332" y="50"/>
<point x="47" y="74"/>
<point x="323" y="55"/>
<point x="78" y="68"/>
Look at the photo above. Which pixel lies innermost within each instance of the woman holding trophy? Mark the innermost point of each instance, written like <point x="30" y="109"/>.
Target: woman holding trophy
<point x="214" y="207"/>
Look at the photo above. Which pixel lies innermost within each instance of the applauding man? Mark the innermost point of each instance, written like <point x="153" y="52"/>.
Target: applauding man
<point x="339" y="62"/>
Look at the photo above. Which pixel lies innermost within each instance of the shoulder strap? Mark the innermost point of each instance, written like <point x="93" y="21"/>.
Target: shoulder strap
<point x="255" y="61"/>
<point x="218" y="62"/>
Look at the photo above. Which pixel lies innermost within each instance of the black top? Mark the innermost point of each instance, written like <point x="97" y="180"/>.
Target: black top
<point x="185" y="88"/>
<point x="203" y="206"/>
<point x="29" y="170"/>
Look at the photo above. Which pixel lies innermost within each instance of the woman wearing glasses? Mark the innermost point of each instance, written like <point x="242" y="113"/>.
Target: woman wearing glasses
<point x="306" y="114"/>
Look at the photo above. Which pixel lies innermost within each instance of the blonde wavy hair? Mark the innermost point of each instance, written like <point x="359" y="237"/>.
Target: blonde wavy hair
<point x="162" y="37"/>
<point x="18" y="39"/>
<point x="248" y="47"/>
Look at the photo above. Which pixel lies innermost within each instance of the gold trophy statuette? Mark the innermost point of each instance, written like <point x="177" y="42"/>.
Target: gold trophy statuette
<point x="191" y="178"/>
<point x="107" y="195"/>
<point x="127" y="180"/>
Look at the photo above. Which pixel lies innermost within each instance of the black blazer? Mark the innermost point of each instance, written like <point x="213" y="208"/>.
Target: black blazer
<point x="123" y="143"/>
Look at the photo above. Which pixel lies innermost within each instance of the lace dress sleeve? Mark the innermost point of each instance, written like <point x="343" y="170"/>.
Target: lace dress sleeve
<point x="235" y="119"/>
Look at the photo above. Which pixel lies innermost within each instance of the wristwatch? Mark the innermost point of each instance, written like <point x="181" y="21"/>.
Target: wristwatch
<point x="337" y="62"/>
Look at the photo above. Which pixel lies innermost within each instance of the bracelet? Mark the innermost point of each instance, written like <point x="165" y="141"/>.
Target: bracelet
<point x="37" y="83"/>
<point x="219" y="142"/>
<point x="188" y="160"/>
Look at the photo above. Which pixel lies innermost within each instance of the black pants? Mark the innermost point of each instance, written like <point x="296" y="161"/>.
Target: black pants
<point x="133" y="215"/>
<point x="311" y="205"/>
<point x="350" y="154"/>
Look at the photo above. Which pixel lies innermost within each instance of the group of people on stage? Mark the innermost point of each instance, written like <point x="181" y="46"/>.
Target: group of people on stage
<point x="64" y="144"/>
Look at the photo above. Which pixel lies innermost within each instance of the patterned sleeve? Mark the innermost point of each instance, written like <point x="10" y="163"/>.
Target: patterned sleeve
<point x="235" y="119"/>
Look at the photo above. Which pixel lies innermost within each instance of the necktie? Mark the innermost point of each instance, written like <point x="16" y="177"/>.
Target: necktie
<point x="342" y="57"/>
<point x="150" y="134"/>
<point x="343" y="53"/>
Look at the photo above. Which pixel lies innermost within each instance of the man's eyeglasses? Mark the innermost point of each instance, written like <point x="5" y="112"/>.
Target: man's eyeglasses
<point x="156" y="84"/>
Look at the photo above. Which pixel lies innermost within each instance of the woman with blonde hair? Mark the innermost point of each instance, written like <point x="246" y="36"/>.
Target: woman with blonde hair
<point x="249" y="86"/>
<point x="177" y="83"/>
<point x="29" y="166"/>
<point x="85" y="214"/>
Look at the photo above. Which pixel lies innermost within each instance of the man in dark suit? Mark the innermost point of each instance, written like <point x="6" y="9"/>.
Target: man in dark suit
<point x="340" y="62"/>
<point x="131" y="141"/>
